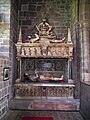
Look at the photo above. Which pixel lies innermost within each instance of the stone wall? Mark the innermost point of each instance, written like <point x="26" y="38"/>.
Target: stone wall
<point x="14" y="31"/>
<point x="56" y="12"/>
<point x="8" y="36"/>
<point x="80" y="26"/>
<point x="85" y="88"/>
<point x="5" y="86"/>
<point x="84" y="36"/>
<point x="85" y="20"/>
<point x="4" y="27"/>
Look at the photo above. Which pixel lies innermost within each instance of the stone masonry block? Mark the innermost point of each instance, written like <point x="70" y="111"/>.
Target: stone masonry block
<point x="3" y="93"/>
<point x="4" y="48"/>
<point x="0" y="112"/>
<point x="39" y="7"/>
<point x="5" y="42"/>
<point x="87" y="1"/>
<point x="6" y="83"/>
<point x="3" y="110"/>
<point x="24" y="2"/>
<point x="0" y="94"/>
<point x="26" y="22"/>
<point x="0" y="85"/>
<point x="1" y="77"/>
<point x="32" y="7"/>
<point x="24" y="7"/>
<point x="4" y="1"/>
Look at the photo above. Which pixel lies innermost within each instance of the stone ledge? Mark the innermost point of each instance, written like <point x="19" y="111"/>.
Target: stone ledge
<point x="23" y="104"/>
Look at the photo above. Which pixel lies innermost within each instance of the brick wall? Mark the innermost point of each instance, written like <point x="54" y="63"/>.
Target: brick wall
<point x="4" y="27"/>
<point x="13" y="38"/>
<point x="4" y="87"/>
<point x="4" y="54"/>
<point x="56" y="12"/>
<point x="8" y="36"/>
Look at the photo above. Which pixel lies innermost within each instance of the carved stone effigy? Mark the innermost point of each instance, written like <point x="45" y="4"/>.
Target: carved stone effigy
<point x="44" y="45"/>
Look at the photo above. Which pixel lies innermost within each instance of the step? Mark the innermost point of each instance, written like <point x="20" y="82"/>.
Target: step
<point x="64" y="104"/>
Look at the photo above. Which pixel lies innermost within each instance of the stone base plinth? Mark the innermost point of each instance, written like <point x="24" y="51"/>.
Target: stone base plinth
<point x="43" y="91"/>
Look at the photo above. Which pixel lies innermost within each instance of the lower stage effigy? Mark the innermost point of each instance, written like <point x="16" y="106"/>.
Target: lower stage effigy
<point x="43" y="90"/>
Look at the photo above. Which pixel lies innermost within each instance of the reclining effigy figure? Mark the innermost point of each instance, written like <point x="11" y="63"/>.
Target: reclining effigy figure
<point x="45" y="34"/>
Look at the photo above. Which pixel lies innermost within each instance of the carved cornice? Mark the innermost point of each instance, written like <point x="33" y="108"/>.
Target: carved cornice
<point x="64" y="50"/>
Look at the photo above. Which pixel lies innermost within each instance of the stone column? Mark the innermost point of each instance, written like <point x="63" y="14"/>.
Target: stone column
<point x="84" y="19"/>
<point x="70" y="70"/>
<point x="85" y="88"/>
<point x="86" y="49"/>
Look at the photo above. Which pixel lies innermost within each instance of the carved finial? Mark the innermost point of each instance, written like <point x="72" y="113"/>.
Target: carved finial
<point x="44" y="28"/>
<point x="20" y="36"/>
<point x="69" y="36"/>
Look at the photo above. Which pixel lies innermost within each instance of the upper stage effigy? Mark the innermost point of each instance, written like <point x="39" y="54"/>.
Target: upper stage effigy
<point x="45" y="44"/>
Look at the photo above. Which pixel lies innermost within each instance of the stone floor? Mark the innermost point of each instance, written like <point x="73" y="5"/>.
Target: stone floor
<point x="57" y="115"/>
<point x="54" y="105"/>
